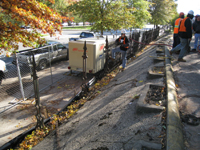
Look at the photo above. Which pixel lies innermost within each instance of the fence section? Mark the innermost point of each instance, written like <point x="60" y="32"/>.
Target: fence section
<point x="139" y="39"/>
<point x="51" y="63"/>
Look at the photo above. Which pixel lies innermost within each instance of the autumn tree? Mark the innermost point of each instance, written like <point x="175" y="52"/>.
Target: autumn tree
<point x="30" y="12"/>
<point x="110" y="14"/>
<point x="59" y="6"/>
<point x="162" y="11"/>
<point x="140" y="12"/>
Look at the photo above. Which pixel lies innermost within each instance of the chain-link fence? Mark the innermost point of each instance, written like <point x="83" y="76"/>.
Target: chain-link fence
<point x="51" y="63"/>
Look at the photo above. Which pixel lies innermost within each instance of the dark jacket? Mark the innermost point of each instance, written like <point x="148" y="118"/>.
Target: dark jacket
<point x="196" y="26"/>
<point x="120" y="41"/>
<point x="188" y="25"/>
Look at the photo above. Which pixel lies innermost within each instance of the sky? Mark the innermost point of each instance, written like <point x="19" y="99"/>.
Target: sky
<point x="187" y="5"/>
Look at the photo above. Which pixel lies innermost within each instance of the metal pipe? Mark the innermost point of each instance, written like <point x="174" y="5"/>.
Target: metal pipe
<point x="20" y="78"/>
<point x="50" y="63"/>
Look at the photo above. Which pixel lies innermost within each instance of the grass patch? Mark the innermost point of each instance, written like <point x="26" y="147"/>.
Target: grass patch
<point x="78" y="27"/>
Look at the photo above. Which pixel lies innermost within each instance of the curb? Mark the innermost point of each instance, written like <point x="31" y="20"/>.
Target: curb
<point x="174" y="126"/>
<point x="153" y="75"/>
<point x="141" y="107"/>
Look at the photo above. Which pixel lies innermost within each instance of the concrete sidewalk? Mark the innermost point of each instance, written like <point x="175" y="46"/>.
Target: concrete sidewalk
<point x="187" y="79"/>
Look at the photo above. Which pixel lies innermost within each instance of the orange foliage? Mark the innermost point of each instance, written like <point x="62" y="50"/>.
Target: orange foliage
<point x="32" y="13"/>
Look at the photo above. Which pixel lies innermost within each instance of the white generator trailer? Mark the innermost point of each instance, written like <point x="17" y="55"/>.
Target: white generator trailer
<point x="95" y="52"/>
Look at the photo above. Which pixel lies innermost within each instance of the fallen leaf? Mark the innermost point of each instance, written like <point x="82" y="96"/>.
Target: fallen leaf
<point x="97" y="84"/>
<point x="152" y="128"/>
<point x="59" y="87"/>
<point x="136" y="96"/>
<point x="177" y="85"/>
<point x="140" y="81"/>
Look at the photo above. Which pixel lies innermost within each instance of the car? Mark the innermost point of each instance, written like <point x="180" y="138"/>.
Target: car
<point x="87" y="23"/>
<point x="24" y="27"/>
<point x="65" y="24"/>
<point x="43" y="55"/>
<point x="80" y="23"/>
<point x="3" y="70"/>
<point x="83" y="35"/>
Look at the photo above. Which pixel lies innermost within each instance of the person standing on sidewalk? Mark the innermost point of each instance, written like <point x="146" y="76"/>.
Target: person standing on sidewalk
<point x="196" y="28"/>
<point x="185" y="34"/>
<point x="176" y="27"/>
<point x="123" y="41"/>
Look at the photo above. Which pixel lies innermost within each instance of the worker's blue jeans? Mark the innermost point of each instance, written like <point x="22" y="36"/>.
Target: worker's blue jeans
<point x="184" y="45"/>
<point x="123" y="55"/>
<point x="197" y="38"/>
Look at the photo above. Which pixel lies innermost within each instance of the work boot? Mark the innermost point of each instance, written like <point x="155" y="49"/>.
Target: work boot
<point x="181" y="60"/>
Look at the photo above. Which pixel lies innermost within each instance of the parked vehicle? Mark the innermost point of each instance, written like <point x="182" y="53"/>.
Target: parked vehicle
<point x="83" y="35"/>
<point x="43" y="55"/>
<point x="24" y="27"/>
<point x="65" y="24"/>
<point x="3" y="70"/>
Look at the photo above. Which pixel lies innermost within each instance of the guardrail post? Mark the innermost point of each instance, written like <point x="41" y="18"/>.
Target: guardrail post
<point x="40" y="119"/>
<point x="84" y="86"/>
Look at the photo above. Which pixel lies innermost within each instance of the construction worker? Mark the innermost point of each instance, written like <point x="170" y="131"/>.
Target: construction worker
<point x="176" y="27"/>
<point x="196" y="28"/>
<point x="185" y="34"/>
<point x="123" y="41"/>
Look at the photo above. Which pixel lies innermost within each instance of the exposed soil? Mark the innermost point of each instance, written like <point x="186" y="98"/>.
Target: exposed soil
<point x="156" y="95"/>
<point x="158" y="69"/>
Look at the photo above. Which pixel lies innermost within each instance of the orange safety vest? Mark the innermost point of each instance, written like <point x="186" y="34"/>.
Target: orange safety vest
<point x="182" y="25"/>
<point x="176" y="26"/>
<point x="123" y="41"/>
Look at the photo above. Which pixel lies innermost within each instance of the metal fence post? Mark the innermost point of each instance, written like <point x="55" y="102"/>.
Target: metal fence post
<point x="20" y="78"/>
<point x="49" y="49"/>
<point x="84" y="86"/>
<point x="40" y="119"/>
<point x="107" y="56"/>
